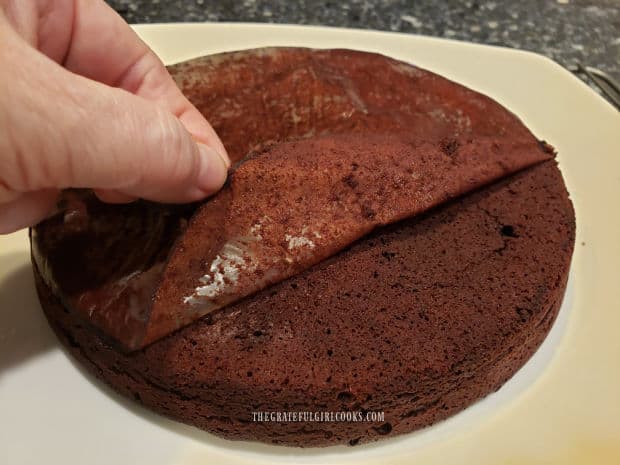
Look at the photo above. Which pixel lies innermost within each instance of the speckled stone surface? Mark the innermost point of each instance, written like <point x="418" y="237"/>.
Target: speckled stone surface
<point x="568" y="31"/>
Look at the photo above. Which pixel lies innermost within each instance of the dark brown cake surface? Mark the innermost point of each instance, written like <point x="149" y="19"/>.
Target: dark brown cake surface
<point x="390" y="146"/>
<point x="418" y="319"/>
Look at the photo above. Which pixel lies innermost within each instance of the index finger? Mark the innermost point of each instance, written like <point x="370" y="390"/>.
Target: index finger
<point x="104" y="48"/>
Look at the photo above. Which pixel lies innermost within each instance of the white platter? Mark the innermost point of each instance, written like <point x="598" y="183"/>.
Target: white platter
<point x="563" y="407"/>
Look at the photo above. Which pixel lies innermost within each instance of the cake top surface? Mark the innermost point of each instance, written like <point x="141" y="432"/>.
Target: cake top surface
<point x="336" y="150"/>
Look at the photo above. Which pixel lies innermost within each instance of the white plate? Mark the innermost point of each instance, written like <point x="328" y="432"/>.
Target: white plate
<point x="563" y="407"/>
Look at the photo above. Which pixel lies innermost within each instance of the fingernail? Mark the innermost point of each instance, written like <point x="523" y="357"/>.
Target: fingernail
<point x="222" y="153"/>
<point x="213" y="169"/>
<point x="225" y="159"/>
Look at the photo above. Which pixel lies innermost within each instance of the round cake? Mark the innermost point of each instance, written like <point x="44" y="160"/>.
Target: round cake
<point x="415" y="320"/>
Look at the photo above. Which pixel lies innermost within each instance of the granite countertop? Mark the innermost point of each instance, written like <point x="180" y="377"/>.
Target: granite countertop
<point x="568" y="31"/>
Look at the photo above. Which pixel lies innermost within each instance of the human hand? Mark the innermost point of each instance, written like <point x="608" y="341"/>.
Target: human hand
<point x="85" y="103"/>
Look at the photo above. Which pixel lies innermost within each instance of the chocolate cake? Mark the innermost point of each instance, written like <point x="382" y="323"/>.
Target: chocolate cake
<point x="429" y="296"/>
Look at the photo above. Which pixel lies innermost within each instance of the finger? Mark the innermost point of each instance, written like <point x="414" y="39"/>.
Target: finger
<point x="89" y="38"/>
<point x="104" y="48"/>
<point x="92" y="135"/>
<point x="132" y="147"/>
<point x="26" y="210"/>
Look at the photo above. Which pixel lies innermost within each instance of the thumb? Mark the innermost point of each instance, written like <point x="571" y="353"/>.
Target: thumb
<point x="60" y="130"/>
<point x="70" y="131"/>
<point x="123" y="143"/>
